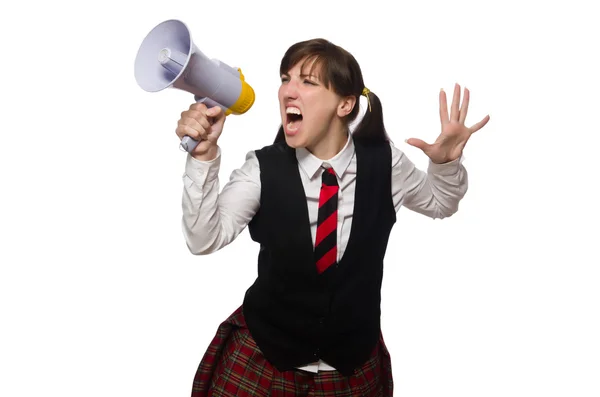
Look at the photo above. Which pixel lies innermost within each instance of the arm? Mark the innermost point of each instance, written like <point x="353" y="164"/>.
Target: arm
<point x="211" y="220"/>
<point x="435" y="193"/>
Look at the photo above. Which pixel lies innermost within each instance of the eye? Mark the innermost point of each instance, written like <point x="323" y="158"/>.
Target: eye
<point x="306" y="81"/>
<point x="284" y="79"/>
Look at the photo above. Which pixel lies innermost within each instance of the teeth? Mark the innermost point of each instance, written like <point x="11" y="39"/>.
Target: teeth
<point x="292" y="110"/>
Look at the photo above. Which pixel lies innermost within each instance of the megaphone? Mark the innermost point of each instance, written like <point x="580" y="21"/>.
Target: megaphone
<point x="168" y="57"/>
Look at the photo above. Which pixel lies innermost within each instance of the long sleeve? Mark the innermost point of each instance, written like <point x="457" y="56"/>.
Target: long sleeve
<point x="211" y="220"/>
<point x="435" y="193"/>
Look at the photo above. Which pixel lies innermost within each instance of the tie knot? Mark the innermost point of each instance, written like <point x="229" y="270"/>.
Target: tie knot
<point x="329" y="178"/>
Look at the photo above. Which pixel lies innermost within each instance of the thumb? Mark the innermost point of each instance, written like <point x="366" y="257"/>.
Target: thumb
<point x="418" y="143"/>
<point x="215" y="112"/>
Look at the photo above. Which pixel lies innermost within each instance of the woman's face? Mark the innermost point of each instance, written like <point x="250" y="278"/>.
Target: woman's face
<point x="308" y="108"/>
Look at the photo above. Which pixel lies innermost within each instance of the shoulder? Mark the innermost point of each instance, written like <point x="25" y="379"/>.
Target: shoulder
<point x="278" y="149"/>
<point x="396" y="152"/>
<point x="378" y="150"/>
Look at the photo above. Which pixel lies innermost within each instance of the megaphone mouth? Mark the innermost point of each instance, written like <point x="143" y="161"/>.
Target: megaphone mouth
<point x="163" y="55"/>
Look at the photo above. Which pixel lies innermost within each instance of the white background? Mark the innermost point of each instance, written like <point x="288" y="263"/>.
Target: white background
<point x="99" y="295"/>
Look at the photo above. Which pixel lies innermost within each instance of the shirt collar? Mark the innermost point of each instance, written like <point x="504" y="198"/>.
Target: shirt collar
<point x="340" y="162"/>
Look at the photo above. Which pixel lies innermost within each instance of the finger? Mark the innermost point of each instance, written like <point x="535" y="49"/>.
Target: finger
<point x="455" y="103"/>
<point x="195" y="123"/>
<point x="183" y="130"/>
<point x="195" y="114"/>
<point x="218" y="118"/>
<point x="203" y="134"/>
<point x="478" y="126"/>
<point x="198" y="106"/>
<point x="418" y="143"/>
<point x="464" y="107"/>
<point x="199" y="116"/>
<point x="216" y="112"/>
<point x="202" y="122"/>
<point x="443" y="107"/>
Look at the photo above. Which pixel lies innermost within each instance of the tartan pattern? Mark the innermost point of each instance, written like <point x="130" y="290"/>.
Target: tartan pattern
<point x="233" y="366"/>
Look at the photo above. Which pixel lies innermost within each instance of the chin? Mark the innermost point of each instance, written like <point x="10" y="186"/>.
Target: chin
<point x="294" y="142"/>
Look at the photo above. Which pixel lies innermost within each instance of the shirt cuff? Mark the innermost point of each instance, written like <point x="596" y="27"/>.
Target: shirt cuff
<point x="201" y="172"/>
<point x="446" y="169"/>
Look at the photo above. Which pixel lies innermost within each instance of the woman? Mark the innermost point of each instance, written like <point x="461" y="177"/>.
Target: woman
<point x="321" y="202"/>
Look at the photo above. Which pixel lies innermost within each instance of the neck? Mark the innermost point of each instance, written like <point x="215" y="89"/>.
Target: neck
<point x="332" y="143"/>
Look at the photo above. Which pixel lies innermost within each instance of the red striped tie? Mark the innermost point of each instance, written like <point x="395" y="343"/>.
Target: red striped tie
<point x="326" y="239"/>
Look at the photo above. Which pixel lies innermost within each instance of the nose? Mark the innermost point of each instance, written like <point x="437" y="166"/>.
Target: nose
<point x="289" y="89"/>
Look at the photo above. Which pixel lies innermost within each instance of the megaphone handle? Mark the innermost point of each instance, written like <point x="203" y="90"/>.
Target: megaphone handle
<point x="188" y="144"/>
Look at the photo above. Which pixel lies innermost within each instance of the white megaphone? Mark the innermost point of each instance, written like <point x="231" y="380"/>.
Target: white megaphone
<point x="168" y="57"/>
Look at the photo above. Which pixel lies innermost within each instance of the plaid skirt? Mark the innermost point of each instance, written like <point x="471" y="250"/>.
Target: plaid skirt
<point x="233" y="366"/>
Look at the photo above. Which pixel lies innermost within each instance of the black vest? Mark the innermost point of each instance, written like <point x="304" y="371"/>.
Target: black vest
<point x="295" y="315"/>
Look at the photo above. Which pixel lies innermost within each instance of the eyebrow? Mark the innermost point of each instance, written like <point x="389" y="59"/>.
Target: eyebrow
<point x="303" y="75"/>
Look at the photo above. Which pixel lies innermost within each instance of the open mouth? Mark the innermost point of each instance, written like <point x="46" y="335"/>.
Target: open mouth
<point x="293" y="119"/>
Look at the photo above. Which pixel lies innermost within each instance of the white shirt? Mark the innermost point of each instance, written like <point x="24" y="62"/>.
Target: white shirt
<point x="211" y="220"/>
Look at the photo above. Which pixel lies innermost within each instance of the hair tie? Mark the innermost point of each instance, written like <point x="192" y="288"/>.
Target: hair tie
<point x="366" y="92"/>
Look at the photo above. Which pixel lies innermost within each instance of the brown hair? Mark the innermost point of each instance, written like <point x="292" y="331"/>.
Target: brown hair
<point x="341" y="73"/>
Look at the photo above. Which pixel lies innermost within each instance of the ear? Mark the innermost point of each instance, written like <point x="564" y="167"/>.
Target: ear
<point x="346" y="105"/>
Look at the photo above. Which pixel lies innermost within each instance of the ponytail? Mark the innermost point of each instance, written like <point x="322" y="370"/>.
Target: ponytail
<point x="371" y="128"/>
